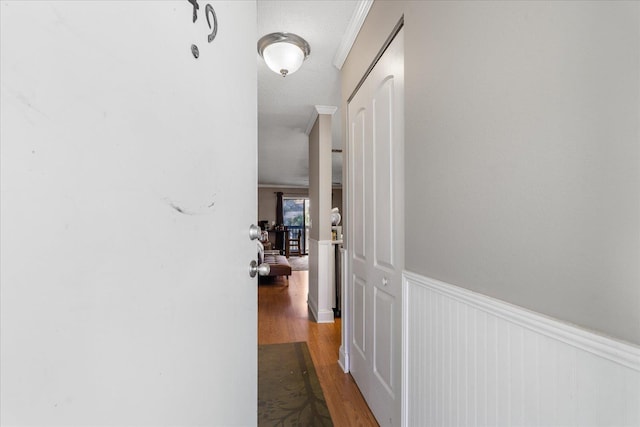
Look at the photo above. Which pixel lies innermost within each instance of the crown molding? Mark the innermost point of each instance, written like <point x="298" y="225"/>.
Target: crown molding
<point x="319" y="109"/>
<point x="353" y="28"/>
<point x="326" y="109"/>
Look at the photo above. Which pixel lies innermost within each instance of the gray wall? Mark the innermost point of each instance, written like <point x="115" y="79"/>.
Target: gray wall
<point x="522" y="151"/>
<point x="267" y="200"/>
<point x="336" y="202"/>
<point x="320" y="178"/>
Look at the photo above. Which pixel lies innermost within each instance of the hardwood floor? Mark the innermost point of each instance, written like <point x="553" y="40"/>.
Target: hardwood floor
<point x="283" y="317"/>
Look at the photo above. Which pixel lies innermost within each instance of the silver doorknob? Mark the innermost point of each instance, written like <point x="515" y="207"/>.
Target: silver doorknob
<point x="262" y="270"/>
<point x="254" y="232"/>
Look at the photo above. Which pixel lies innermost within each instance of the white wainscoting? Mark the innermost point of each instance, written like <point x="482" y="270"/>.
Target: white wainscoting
<point x="471" y="360"/>
<point x="321" y="283"/>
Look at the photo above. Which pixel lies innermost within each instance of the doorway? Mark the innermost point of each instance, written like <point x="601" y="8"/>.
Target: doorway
<point x="376" y="232"/>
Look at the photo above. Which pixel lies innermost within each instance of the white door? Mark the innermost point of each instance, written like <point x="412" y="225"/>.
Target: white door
<point x="376" y="246"/>
<point x="128" y="183"/>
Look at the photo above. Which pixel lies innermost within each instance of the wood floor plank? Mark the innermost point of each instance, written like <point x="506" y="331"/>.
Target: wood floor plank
<point x="283" y="317"/>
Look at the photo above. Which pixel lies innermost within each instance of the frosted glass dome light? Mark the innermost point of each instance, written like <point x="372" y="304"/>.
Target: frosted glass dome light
<point x="283" y="58"/>
<point x="283" y="52"/>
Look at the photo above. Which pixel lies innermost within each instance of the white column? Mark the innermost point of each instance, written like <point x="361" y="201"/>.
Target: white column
<point x="321" y="297"/>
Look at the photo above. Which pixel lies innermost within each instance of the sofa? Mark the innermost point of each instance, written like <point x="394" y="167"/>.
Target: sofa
<point x="278" y="263"/>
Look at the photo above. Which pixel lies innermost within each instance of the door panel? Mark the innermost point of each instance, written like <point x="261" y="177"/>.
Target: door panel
<point x="360" y="180"/>
<point x="376" y="198"/>
<point x="384" y="304"/>
<point x="383" y="173"/>
<point x="359" y="294"/>
<point x="128" y="187"/>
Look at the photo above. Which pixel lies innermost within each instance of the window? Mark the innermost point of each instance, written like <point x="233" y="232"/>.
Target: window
<point x="296" y="218"/>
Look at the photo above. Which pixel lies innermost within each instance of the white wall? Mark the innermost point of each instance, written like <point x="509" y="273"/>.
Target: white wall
<point x="279" y="151"/>
<point x="522" y="152"/>
<point x="111" y="299"/>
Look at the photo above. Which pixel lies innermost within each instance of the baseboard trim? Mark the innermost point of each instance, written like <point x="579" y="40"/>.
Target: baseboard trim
<point x="608" y="348"/>
<point x="313" y="308"/>
<point x="343" y="360"/>
<point x="320" y="316"/>
<point x="325" y="316"/>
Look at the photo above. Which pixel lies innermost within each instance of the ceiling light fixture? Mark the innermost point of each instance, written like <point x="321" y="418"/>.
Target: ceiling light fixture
<point x="283" y="52"/>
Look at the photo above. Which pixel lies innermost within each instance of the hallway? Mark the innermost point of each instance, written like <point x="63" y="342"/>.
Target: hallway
<point x="283" y="317"/>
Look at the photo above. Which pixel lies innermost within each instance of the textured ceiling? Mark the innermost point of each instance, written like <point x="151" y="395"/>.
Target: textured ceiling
<point x="286" y="105"/>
